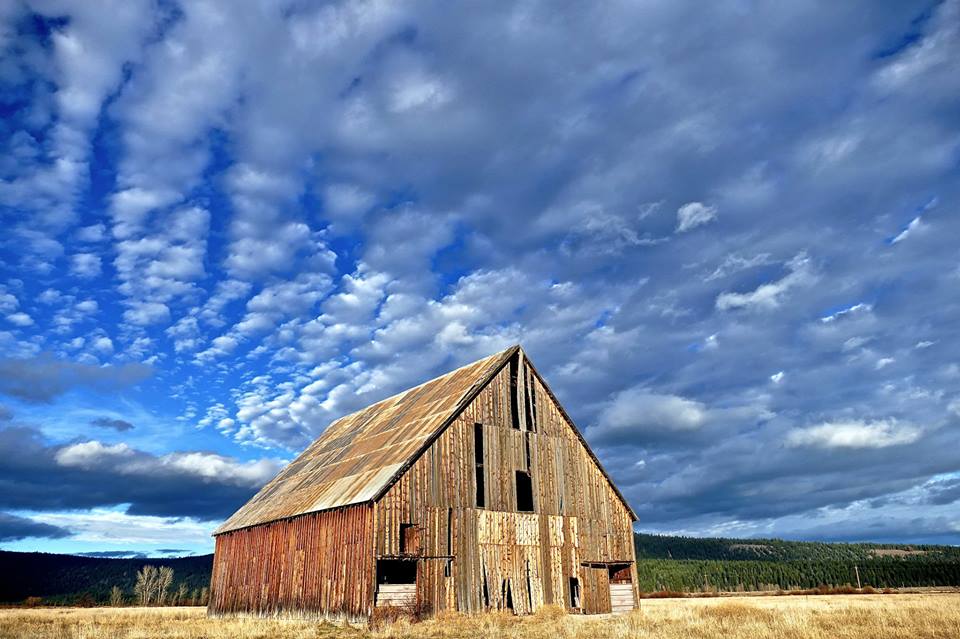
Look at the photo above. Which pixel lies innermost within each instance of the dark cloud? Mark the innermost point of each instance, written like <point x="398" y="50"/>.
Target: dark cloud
<point x="5" y="414"/>
<point x="37" y="476"/>
<point x="113" y="554"/>
<point x="174" y="551"/>
<point x="14" y="528"/>
<point x="115" y="424"/>
<point x="945" y="492"/>
<point x="44" y="378"/>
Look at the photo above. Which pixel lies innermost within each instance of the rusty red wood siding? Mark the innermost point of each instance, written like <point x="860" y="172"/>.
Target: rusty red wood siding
<point x="315" y="564"/>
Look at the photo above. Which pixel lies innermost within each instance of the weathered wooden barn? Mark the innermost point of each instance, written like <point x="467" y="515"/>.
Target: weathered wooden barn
<point x="472" y="491"/>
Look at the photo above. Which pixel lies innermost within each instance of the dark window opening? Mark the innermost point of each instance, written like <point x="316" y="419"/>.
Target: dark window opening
<point x="524" y="492"/>
<point x="481" y="502"/>
<point x="531" y="402"/>
<point x="508" y="596"/>
<point x="478" y="443"/>
<point x="449" y="531"/>
<point x="574" y="592"/>
<point x="486" y="592"/>
<point x="409" y="539"/>
<point x="480" y="498"/>
<point x="396" y="571"/>
<point x="514" y="408"/>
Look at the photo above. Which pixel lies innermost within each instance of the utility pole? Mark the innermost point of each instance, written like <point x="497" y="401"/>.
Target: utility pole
<point x="857" y="570"/>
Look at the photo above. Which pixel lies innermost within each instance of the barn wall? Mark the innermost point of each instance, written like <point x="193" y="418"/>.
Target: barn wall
<point x="577" y="517"/>
<point x="316" y="564"/>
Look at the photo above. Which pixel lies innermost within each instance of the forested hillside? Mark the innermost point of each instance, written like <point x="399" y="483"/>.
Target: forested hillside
<point x="690" y="564"/>
<point x="663" y="563"/>
<point x="64" y="579"/>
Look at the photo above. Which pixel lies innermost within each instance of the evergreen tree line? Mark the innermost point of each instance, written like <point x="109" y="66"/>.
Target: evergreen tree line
<point x="719" y="548"/>
<point x="691" y="575"/>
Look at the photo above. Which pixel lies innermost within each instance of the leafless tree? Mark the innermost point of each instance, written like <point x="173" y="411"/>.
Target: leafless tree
<point x="116" y="596"/>
<point x="146" y="586"/>
<point x="164" y="579"/>
<point x="181" y="596"/>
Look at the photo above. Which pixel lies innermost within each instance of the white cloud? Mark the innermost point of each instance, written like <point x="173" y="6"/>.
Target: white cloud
<point x="8" y="302"/>
<point x="20" y="319"/>
<point x="222" y="469"/>
<point x="109" y="528"/>
<point x="883" y="362"/>
<point x="694" y="214"/>
<point x="769" y="296"/>
<point x="860" y="307"/>
<point x="220" y="347"/>
<point x="735" y="263"/>
<point x="346" y="200"/>
<point x="103" y="345"/>
<point x="954" y="407"/>
<point x="92" y="234"/>
<point x="146" y="313"/>
<point x="855" y="434"/>
<point x="85" y="265"/>
<point x="636" y="410"/>
<point x="91" y="454"/>
<point x="87" y="306"/>
<point x="911" y="229"/>
<point x="777" y="377"/>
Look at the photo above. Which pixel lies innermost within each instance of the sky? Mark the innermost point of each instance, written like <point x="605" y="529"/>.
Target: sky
<point x="727" y="234"/>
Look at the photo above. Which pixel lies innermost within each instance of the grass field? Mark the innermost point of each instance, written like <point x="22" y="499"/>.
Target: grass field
<point x="913" y="616"/>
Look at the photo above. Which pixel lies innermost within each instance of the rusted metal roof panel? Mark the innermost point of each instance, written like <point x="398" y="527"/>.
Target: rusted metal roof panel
<point x="359" y="454"/>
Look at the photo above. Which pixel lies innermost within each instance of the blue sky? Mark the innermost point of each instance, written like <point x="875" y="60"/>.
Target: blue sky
<point x="727" y="234"/>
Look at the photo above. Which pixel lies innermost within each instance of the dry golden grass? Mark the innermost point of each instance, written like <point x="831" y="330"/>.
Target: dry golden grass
<point x="913" y="616"/>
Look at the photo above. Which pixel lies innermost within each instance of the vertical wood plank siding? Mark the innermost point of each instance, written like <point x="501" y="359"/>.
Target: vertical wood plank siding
<point x="319" y="564"/>
<point x="499" y="553"/>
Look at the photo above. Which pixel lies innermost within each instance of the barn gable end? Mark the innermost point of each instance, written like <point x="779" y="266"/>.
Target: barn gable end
<point x="474" y="551"/>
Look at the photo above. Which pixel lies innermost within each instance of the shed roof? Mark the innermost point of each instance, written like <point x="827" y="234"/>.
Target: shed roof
<point x="359" y="456"/>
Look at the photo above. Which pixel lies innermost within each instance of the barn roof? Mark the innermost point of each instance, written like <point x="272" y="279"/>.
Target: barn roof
<point x="360" y="455"/>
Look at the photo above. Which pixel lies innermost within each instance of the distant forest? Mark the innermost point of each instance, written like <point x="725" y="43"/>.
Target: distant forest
<point x="68" y="579"/>
<point x="693" y="564"/>
<point x="663" y="563"/>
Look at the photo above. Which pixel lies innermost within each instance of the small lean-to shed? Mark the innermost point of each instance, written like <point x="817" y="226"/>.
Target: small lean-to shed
<point x="470" y="492"/>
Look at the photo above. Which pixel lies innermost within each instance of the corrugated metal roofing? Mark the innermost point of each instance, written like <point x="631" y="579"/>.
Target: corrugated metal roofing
<point x="359" y="455"/>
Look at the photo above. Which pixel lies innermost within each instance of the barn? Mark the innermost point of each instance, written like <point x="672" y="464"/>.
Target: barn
<point x="470" y="492"/>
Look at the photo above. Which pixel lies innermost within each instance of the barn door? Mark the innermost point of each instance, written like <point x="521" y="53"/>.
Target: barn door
<point x="596" y="589"/>
<point x="621" y="588"/>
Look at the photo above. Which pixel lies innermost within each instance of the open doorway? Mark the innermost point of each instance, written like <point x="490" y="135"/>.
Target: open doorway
<point x="396" y="583"/>
<point x="621" y="588"/>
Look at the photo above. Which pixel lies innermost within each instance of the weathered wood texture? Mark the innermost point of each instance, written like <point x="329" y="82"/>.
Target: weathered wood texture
<point x="316" y="564"/>
<point x="501" y="557"/>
